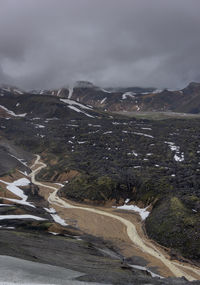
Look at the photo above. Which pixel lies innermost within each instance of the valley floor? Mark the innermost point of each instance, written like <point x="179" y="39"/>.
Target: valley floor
<point x="124" y="229"/>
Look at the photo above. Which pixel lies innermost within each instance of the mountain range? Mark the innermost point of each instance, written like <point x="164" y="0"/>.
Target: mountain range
<point x="131" y="99"/>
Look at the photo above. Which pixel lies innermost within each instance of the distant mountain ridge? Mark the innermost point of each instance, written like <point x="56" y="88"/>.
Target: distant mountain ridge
<point x="129" y="99"/>
<point x="132" y="99"/>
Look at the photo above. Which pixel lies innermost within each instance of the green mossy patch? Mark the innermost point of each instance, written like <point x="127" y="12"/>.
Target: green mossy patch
<point x="175" y="225"/>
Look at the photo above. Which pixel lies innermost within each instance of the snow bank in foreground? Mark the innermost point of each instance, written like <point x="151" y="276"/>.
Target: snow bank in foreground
<point x="141" y="211"/>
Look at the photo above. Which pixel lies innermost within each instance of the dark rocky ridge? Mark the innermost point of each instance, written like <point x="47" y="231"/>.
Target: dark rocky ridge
<point x="85" y="256"/>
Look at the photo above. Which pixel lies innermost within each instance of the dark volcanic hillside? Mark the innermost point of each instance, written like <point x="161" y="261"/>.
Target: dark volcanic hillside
<point x="114" y="158"/>
<point x="137" y="99"/>
<point x="108" y="159"/>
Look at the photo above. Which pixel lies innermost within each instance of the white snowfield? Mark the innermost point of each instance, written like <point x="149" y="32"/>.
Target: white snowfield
<point x="16" y="271"/>
<point x="55" y="216"/>
<point x="14" y="188"/>
<point x="141" y="211"/>
<point x="51" y="210"/>
<point x="144" y="135"/>
<point x="128" y="94"/>
<point x="21" y="217"/>
<point x="71" y="89"/>
<point x="149" y="129"/>
<point x="106" y="91"/>
<point x="71" y="104"/>
<point x="132" y="153"/>
<point x="79" y="142"/>
<point x="37" y="126"/>
<point x="142" y="268"/>
<point x="59" y="220"/>
<point x="108" y="132"/>
<point x="103" y="100"/>
<point x="79" y="111"/>
<point x="18" y="91"/>
<point x="179" y="156"/>
<point x="12" y="113"/>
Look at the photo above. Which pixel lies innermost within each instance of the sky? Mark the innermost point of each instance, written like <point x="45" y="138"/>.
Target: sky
<point x="53" y="43"/>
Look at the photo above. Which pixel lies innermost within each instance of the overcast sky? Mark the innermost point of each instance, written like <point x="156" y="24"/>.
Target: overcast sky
<point x="52" y="43"/>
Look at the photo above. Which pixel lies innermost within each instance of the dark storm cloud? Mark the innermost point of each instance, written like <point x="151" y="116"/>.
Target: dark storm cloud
<point x="50" y="43"/>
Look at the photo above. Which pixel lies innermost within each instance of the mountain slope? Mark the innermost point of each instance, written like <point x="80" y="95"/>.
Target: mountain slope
<point x="137" y="99"/>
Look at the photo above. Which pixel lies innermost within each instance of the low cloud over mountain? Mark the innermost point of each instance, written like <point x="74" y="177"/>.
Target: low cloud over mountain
<point x="51" y="43"/>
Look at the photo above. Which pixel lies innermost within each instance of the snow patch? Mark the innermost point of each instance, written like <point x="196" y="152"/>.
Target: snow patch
<point x="12" y="113"/>
<point x="18" y="91"/>
<point x="128" y="94"/>
<point x="72" y="102"/>
<point x="145" y="135"/>
<point x="79" y="111"/>
<point x="141" y="211"/>
<point x="102" y="101"/>
<point x="59" y="220"/>
<point x="51" y="210"/>
<point x="82" y="142"/>
<point x="70" y="92"/>
<point x="149" y="154"/>
<point x="59" y="91"/>
<point x="179" y="156"/>
<point x="106" y="91"/>
<point x="133" y="153"/>
<point x="56" y="218"/>
<point x="108" y="132"/>
<point x="14" y="188"/>
<point x="142" y="268"/>
<point x="39" y="126"/>
<point x="53" y="233"/>
<point x="20" y="217"/>
<point x="95" y="126"/>
<point x="21" y="160"/>
<point x="147" y="129"/>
